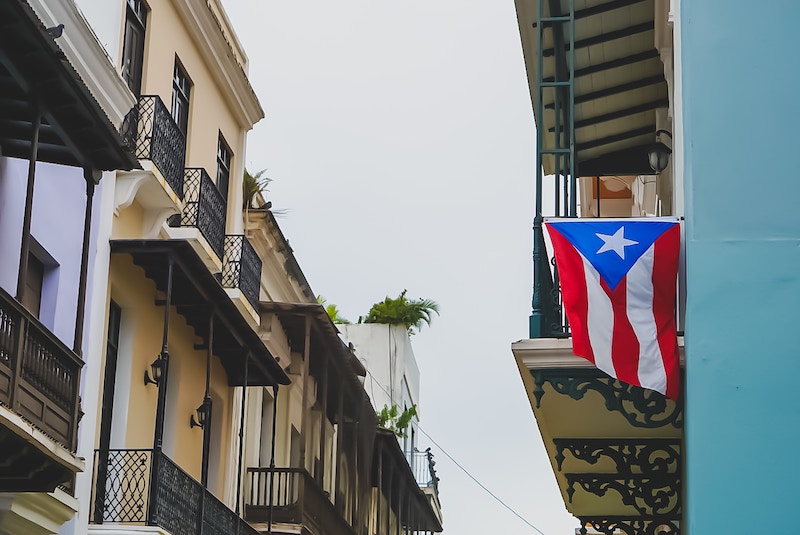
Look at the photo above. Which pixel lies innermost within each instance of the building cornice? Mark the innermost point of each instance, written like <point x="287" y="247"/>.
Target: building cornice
<point x="84" y="51"/>
<point x="277" y="255"/>
<point x="226" y="68"/>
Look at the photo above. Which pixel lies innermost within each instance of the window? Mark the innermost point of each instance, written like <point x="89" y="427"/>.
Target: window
<point x="34" y="279"/>
<point x="223" y="166"/>
<point x="133" y="48"/>
<point x="112" y="352"/>
<point x="181" y="89"/>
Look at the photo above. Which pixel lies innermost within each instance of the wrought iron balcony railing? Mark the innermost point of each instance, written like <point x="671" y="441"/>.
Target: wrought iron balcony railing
<point x="143" y="486"/>
<point x="152" y="134"/>
<point x="39" y="375"/>
<point x="241" y="268"/>
<point x="204" y="208"/>
<point x="422" y="464"/>
<point x="548" y="319"/>
<point x="296" y="499"/>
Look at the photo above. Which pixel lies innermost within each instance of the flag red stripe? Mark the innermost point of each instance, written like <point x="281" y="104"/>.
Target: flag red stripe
<point x="624" y="343"/>
<point x="573" y="293"/>
<point x="665" y="268"/>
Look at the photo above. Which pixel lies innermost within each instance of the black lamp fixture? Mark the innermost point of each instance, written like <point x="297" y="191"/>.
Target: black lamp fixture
<point x="202" y="414"/>
<point x="658" y="154"/>
<point x="157" y="367"/>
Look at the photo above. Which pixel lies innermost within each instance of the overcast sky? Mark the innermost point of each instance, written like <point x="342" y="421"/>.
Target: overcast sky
<point x="400" y="140"/>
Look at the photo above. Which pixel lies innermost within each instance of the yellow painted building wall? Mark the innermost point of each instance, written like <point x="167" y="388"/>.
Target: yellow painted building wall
<point x="136" y="296"/>
<point x="167" y="37"/>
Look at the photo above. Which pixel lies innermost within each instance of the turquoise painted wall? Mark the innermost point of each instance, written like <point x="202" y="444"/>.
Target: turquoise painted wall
<point x="741" y="107"/>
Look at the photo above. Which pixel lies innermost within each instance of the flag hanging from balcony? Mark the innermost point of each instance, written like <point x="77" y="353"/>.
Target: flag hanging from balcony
<point x="618" y="283"/>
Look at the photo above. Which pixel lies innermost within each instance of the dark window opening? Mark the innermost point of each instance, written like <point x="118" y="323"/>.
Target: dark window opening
<point x="34" y="280"/>
<point x="112" y="351"/>
<point x="133" y="48"/>
<point x="223" y="166"/>
<point x="181" y="91"/>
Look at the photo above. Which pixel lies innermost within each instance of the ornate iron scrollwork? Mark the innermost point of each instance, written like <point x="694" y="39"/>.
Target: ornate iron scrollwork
<point x="157" y="138"/>
<point x="640" y="406"/>
<point x="631" y="526"/>
<point x="650" y="494"/>
<point x="204" y="208"/>
<point x="241" y="267"/>
<point x="642" y="456"/>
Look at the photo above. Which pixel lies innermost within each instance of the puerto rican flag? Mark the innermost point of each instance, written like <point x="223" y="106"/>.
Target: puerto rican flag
<point x="618" y="284"/>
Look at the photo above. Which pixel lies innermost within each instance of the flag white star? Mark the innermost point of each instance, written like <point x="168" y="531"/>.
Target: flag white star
<point x="615" y="242"/>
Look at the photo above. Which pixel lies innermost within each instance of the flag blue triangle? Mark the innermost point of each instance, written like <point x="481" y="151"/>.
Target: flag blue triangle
<point x="612" y="247"/>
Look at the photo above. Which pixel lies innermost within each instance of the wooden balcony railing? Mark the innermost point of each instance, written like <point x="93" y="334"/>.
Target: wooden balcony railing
<point x="143" y="486"/>
<point x="152" y="134"/>
<point x="204" y="208"/>
<point x="241" y="268"/>
<point x="296" y="499"/>
<point x="39" y="375"/>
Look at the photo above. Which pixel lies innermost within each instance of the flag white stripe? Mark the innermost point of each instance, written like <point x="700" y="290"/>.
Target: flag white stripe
<point x="639" y="303"/>
<point x="600" y="319"/>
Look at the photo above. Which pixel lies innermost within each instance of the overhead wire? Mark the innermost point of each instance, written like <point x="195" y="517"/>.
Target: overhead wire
<point x="460" y="466"/>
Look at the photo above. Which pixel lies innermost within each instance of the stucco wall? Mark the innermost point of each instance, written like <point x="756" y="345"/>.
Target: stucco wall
<point x="390" y="361"/>
<point x="740" y="112"/>
<point x="56" y="224"/>
<point x="135" y="403"/>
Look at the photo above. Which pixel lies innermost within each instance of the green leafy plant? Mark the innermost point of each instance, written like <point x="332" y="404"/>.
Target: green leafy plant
<point x="332" y="310"/>
<point x="253" y="184"/>
<point x="391" y="419"/>
<point x="412" y="313"/>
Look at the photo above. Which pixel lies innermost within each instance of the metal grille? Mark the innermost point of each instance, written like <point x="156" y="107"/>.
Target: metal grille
<point x="178" y="499"/>
<point x="150" y="131"/>
<point x="241" y="268"/>
<point x="122" y="494"/>
<point x="285" y="490"/>
<point x="217" y="518"/>
<point x="121" y="482"/>
<point x="422" y="464"/>
<point x="204" y="208"/>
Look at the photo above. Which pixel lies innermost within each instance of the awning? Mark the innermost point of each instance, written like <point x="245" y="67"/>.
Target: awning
<point x="34" y="72"/>
<point x="324" y="339"/>
<point x="196" y="291"/>
<point x="403" y="482"/>
<point x="619" y="80"/>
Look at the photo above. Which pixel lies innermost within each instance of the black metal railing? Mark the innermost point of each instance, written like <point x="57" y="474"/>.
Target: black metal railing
<point x="548" y="319"/>
<point x="422" y="464"/>
<point x="152" y="134"/>
<point x="144" y="486"/>
<point x="241" y="268"/>
<point x="39" y="375"/>
<point x="296" y="499"/>
<point x="204" y="208"/>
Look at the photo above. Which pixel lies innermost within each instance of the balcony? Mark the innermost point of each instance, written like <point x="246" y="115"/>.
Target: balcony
<point x="422" y="464"/>
<point x="145" y="487"/>
<point x="241" y="268"/>
<point x="296" y="499"/>
<point x="151" y="131"/>
<point x="204" y="209"/>
<point x="39" y="378"/>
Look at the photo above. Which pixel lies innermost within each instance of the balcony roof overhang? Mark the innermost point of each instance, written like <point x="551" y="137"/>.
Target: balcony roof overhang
<point x="615" y="449"/>
<point x="35" y="73"/>
<point x="324" y="338"/>
<point x="390" y="456"/>
<point x="619" y="80"/>
<point x="196" y="292"/>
